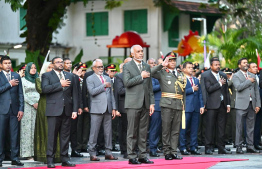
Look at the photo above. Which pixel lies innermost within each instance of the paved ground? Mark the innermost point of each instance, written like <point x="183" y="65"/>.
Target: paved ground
<point x="254" y="162"/>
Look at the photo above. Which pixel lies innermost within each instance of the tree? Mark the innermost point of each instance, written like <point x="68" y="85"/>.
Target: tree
<point x="43" y="18"/>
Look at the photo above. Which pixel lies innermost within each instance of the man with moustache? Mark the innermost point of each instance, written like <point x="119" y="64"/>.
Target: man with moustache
<point x="73" y="128"/>
<point x="155" y="119"/>
<point x="102" y="103"/>
<point x="172" y="102"/>
<point x="139" y="102"/>
<point x="61" y="104"/>
<point x="217" y="102"/>
<point x="12" y="109"/>
<point x="247" y="105"/>
<point x="120" y="92"/>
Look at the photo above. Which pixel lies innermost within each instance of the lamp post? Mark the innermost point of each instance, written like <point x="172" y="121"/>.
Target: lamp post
<point x="204" y="23"/>
<point x="13" y="47"/>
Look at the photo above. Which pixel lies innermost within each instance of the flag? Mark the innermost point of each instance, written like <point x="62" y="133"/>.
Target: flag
<point x="207" y="62"/>
<point x="259" y="63"/>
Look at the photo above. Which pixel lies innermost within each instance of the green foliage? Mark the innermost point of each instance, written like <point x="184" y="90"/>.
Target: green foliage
<point x="111" y="4"/>
<point x="78" y="57"/>
<point x="15" y="4"/>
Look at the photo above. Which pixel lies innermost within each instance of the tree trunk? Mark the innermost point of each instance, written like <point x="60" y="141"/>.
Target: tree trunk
<point x="42" y="19"/>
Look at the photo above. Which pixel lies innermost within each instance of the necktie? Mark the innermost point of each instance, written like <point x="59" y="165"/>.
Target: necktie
<point x="8" y="76"/>
<point x="102" y="80"/>
<point x="246" y="75"/>
<point x="174" y="73"/>
<point x="60" y="76"/>
<point x="222" y="98"/>
<point x="140" y="67"/>
<point x="217" y="77"/>
<point x="191" y="81"/>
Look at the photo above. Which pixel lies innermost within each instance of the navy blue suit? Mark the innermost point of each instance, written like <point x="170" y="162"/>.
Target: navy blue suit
<point x="257" y="129"/>
<point x="194" y="102"/>
<point x="155" y="119"/>
<point x="11" y="102"/>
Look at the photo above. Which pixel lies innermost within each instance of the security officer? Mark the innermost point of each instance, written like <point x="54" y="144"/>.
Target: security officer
<point x="111" y="71"/>
<point x="172" y="103"/>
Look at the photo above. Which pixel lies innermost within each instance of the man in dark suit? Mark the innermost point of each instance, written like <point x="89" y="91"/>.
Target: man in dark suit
<point x="217" y="102"/>
<point x="155" y="119"/>
<point x="257" y="130"/>
<point x="74" y="122"/>
<point x="12" y="109"/>
<point x="194" y="107"/>
<point x="120" y="92"/>
<point x="139" y="102"/>
<point x="247" y="105"/>
<point x="61" y="104"/>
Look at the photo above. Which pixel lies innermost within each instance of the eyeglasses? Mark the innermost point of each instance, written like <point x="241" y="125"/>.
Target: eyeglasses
<point x="59" y="62"/>
<point x="100" y="67"/>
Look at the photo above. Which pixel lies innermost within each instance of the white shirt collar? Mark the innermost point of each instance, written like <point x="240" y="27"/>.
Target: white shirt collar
<point x="57" y="73"/>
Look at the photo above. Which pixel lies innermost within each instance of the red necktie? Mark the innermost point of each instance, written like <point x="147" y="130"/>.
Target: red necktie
<point x="102" y="80"/>
<point x="191" y="81"/>
<point x="246" y="75"/>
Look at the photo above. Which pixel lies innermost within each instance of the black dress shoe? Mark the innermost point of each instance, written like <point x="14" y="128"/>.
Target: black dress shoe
<point x="209" y="152"/>
<point x="145" y="161"/>
<point x="84" y="150"/>
<point x="76" y="154"/>
<point x="252" y="150"/>
<point x="228" y="149"/>
<point x="258" y="147"/>
<point x="195" y="152"/>
<point x="168" y="157"/>
<point x="94" y="158"/>
<point x="176" y="157"/>
<point x="50" y="165"/>
<point x="17" y="162"/>
<point x="68" y="164"/>
<point x="212" y="149"/>
<point x="133" y="161"/>
<point x="115" y="148"/>
<point x="224" y="151"/>
<point x="239" y="150"/>
<point x="184" y="152"/>
<point x="153" y="154"/>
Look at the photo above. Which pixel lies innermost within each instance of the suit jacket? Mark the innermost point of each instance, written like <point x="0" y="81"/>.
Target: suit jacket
<point x="244" y="90"/>
<point x="157" y="93"/>
<point x="57" y="97"/>
<point x="138" y="90"/>
<point x="85" y="94"/>
<point x="211" y="90"/>
<point x="101" y="99"/>
<point x="77" y="82"/>
<point x="167" y="83"/>
<point x="194" y="99"/>
<point x="120" y="93"/>
<point x="10" y="94"/>
<point x="233" y="94"/>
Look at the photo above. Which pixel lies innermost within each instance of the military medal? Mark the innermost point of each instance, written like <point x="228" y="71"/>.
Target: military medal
<point x="169" y="82"/>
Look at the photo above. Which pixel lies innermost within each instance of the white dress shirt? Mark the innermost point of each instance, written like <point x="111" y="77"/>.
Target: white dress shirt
<point x="57" y="73"/>
<point x="9" y="75"/>
<point x="188" y="77"/>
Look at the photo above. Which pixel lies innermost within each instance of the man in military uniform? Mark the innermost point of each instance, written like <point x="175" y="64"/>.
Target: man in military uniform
<point x="172" y="104"/>
<point x="111" y="71"/>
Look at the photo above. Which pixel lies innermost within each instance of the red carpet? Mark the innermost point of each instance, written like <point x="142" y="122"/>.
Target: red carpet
<point x="186" y="163"/>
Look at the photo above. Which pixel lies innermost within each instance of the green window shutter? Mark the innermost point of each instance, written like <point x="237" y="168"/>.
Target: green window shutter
<point x="22" y="18"/>
<point x="99" y="24"/>
<point x="196" y="25"/>
<point x="173" y="33"/>
<point x="135" y="20"/>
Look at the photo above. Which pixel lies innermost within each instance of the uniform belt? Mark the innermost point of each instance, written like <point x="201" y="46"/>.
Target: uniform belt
<point x="172" y="95"/>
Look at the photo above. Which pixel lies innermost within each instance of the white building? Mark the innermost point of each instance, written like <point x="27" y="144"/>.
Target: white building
<point x="159" y="27"/>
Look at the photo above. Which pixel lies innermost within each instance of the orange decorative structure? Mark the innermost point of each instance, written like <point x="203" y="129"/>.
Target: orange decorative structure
<point x="190" y="44"/>
<point x="127" y="40"/>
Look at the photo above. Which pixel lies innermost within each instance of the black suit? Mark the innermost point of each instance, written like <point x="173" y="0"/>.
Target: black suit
<point x="216" y="109"/>
<point x="120" y="92"/>
<point x="60" y="103"/>
<point x="11" y="101"/>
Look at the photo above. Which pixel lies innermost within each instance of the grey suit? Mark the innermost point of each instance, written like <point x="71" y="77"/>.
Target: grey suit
<point x="139" y="96"/>
<point x="245" y="109"/>
<point x="102" y="102"/>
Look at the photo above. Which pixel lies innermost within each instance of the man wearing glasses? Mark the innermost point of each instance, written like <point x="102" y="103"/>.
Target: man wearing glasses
<point x="61" y="104"/>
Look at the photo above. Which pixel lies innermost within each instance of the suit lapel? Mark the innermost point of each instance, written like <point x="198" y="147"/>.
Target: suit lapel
<point x="135" y="66"/>
<point x="212" y="76"/>
<point x="55" y="75"/>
